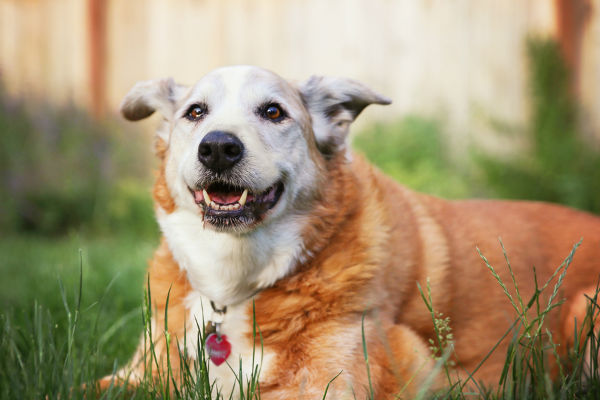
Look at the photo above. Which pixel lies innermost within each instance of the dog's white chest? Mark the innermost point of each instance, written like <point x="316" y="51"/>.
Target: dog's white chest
<point x="229" y="270"/>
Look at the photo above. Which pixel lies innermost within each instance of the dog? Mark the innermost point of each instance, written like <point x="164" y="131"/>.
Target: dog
<point x="277" y="237"/>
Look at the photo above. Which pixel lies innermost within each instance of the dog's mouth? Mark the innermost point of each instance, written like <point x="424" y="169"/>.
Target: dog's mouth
<point x="227" y="206"/>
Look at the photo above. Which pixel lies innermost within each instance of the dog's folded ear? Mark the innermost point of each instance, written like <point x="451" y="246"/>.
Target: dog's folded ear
<point x="333" y="104"/>
<point x="149" y="96"/>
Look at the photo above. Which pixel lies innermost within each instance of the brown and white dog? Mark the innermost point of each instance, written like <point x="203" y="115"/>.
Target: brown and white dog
<point x="261" y="202"/>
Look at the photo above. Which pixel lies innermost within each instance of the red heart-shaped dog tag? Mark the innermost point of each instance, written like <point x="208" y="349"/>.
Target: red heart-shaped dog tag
<point x="218" y="348"/>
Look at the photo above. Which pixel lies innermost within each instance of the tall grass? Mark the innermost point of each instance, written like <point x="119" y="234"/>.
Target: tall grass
<point x="44" y="358"/>
<point x="38" y="270"/>
<point x="561" y="165"/>
<point x="531" y="350"/>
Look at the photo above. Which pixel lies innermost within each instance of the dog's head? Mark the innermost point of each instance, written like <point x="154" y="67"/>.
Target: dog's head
<point x="244" y="146"/>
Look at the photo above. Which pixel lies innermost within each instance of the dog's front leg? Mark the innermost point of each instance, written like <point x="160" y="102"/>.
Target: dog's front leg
<point x="399" y="363"/>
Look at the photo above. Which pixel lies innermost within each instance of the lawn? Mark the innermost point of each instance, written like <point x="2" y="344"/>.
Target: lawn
<point x="71" y="312"/>
<point x="38" y="271"/>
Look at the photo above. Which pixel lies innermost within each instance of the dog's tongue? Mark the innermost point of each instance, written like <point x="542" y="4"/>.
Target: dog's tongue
<point x="224" y="197"/>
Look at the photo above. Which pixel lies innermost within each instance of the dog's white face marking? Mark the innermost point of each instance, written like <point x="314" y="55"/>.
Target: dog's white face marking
<point x="246" y="147"/>
<point x="276" y="154"/>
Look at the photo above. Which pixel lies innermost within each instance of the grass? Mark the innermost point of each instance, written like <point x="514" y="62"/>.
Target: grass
<point x="527" y="372"/>
<point x="40" y="269"/>
<point x="94" y="311"/>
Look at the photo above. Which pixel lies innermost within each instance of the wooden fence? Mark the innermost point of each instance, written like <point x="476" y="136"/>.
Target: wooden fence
<point x="462" y="61"/>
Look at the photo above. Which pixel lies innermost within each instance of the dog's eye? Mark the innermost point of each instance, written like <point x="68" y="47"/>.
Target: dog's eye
<point x="273" y="112"/>
<point x="196" y="112"/>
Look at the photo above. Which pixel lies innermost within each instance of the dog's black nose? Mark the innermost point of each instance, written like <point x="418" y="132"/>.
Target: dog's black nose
<point x="220" y="150"/>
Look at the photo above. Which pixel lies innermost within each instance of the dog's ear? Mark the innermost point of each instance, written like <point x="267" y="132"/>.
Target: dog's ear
<point x="148" y="96"/>
<point x="333" y="104"/>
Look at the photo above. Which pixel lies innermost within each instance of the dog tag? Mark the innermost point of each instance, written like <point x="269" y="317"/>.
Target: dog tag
<point x="218" y="348"/>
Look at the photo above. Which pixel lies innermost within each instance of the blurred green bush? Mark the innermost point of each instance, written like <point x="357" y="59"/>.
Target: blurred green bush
<point x="413" y="152"/>
<point x="561" y="166"/>
<point x="60" y="170"/>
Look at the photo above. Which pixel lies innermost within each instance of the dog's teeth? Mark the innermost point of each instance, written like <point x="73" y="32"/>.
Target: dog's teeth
<point x="223" y="207"/>
<point x="207" y="200"/>
<point x="242" y="199"/>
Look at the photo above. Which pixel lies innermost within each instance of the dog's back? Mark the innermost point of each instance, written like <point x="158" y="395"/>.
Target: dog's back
<point x="537" y="237"/>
